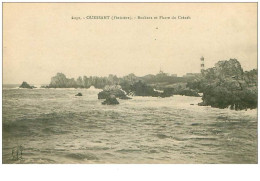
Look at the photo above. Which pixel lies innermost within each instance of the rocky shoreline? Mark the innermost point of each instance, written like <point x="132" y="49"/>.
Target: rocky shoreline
<point x="225" y="85"/>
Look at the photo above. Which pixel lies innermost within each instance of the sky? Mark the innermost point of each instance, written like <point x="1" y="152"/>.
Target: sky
<point x="42" y="39"/>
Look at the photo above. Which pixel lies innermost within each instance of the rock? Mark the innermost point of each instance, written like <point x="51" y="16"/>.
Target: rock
<point x="142" y="89"/>
<point x="78" y="94"/>
<point x="110" y="101"/>
<point x="112" y="90"/>
<point x="229" y="68"/>
<point x="168" y="92"/>
<point x="61" y="81"/>
<point x="227" y="86"/>
<point x="103" y="94"/>
<point x="26" y="86"/>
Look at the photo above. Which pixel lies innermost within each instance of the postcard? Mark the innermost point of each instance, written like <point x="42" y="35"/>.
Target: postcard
<point x="115" y="83"/>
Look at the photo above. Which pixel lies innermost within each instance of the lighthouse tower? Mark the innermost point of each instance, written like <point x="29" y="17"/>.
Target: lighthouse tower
<point x="202" y="65"/>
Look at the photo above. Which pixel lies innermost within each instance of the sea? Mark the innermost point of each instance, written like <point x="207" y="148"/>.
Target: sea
<point x="53" y="126"/>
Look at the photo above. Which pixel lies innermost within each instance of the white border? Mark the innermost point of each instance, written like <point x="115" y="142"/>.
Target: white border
<point x="131" y="172"/>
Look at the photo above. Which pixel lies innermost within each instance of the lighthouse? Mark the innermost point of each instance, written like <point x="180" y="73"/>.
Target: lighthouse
<point x="202" y="65"/>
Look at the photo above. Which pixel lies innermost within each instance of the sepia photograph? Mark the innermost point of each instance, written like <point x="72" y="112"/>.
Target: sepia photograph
<point x="129" y="83"/>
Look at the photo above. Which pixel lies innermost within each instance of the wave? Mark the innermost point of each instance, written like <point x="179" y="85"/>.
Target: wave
<point x="82" y="156"/>
<point x="42" y="124"/>
<point x="92" y="88"/>
<point x="10" y="88"/>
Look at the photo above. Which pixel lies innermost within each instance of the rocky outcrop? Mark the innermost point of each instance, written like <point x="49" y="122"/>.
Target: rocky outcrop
<point x="168" y="92"/>
<point x="226" y="85"/>
<point x="61" y="81"/>
<point x="230" y="68"/>
<point x="111" y="100"/>
<point x="78" y="94"/>
<point x="25" y="85"/>
<point x="142" y="89"/>
<point x="113" y="90"/>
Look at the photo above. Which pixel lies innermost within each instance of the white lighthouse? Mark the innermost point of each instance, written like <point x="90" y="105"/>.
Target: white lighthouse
<point x="202" y="65"/>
